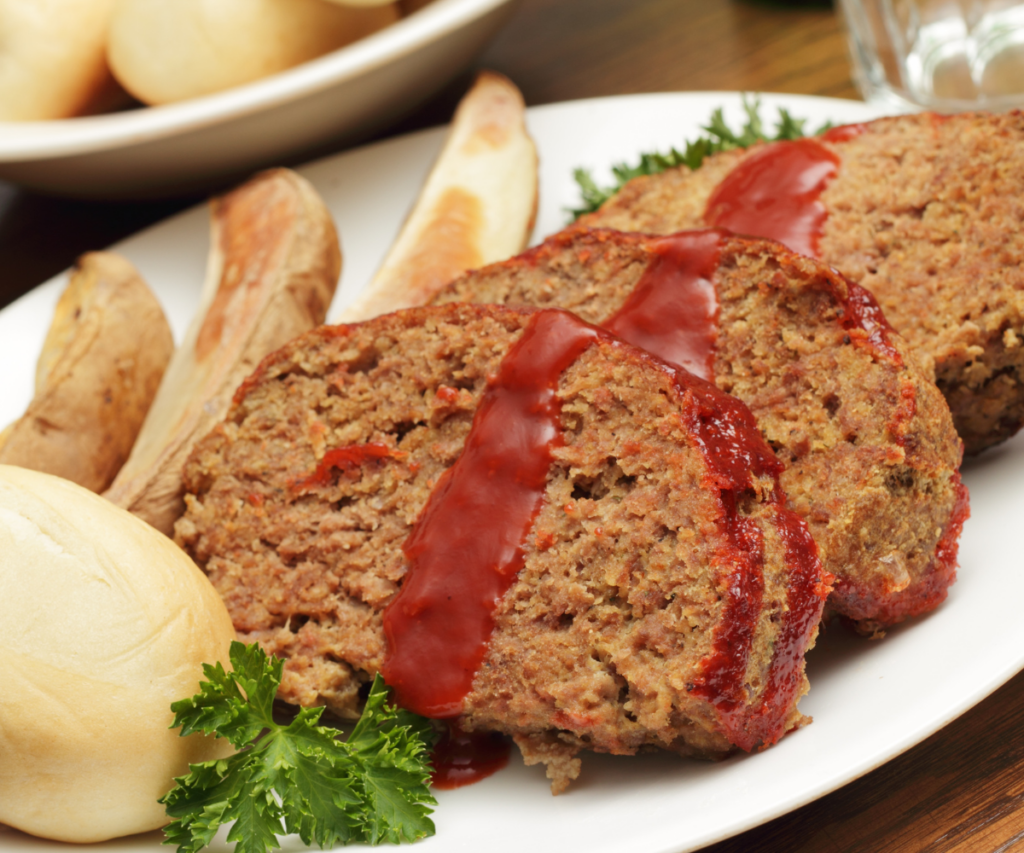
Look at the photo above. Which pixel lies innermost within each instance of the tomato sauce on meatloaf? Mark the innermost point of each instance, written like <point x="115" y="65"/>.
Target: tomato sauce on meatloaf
<point x="922" y="210"/>
<point x="871" y="455"/>
<point x="660" y="593"/>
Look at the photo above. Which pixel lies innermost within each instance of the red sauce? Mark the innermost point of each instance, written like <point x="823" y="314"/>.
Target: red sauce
<point x="673" y="310"/>
<point x="774" y="192"/>
<point x="462" y="758"/>
<point x="735" y="454"/>
<point x="467" y="546"/>
<point x="863" y="316"/>
<point x="808" y="588"/>
<point x="346" y="458"/>
<point x="656" y="318"/>
<point x="843" y="133"/>
<point x="887" y="608"/>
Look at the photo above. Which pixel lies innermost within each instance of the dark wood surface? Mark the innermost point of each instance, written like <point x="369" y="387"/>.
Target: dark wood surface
<point x="958" y="791"/>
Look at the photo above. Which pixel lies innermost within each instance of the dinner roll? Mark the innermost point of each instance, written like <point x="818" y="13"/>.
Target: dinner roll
<point x="361" y="3"/>
<point x="163" y="52"/>
<point x="52" y="57"/>
<point x="105" y="623"/>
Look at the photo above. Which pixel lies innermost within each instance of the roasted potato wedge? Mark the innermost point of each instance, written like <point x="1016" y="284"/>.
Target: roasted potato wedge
<point x="100" y="366"/>
<point x="476" y="207"/>
<point x="273" y="268"/>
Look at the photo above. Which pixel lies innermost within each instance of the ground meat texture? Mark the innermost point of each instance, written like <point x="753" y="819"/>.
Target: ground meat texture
<point x="925" y="212"/>
<point x="299" y="503"/>
<point x="870" y="451"/>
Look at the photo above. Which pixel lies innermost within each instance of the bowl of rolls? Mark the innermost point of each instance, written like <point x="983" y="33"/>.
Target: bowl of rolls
<point x="143" y="98"/>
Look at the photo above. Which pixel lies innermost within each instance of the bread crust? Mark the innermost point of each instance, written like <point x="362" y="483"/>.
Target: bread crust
<point x="53" y="57"/>
<point x="165" y="52"/>
<point x="106" y="624"/>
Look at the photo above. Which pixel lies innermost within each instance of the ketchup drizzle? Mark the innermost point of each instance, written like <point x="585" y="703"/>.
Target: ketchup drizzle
<point x="464" y="552"/>
<point x="466" y="548"/>
<point x="673" y="314"/>
<point x="862" y="314"/>
<point x="774" y="192"/>
<point x="673" y="310"/>
<point x="735" y="455"/>
<point x="462" y="758"/>
<point x="843" y="133"/>
<point x="346" y="458"/>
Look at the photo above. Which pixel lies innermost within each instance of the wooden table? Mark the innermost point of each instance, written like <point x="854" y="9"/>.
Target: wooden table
<point x="958" y="791"/>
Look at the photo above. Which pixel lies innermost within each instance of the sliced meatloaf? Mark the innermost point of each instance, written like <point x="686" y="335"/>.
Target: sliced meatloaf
<point x="872" y="459"/>
<point x="657" y="591"/>
<point x="924" y="211"/>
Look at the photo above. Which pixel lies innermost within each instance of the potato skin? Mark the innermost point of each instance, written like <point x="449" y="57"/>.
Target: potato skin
<point x="102" y="361"/>
<point x="272" y="271"/>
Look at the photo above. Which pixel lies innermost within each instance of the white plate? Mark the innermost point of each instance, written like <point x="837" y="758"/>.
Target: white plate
<point x="870" y="700"/>
<point x="340" y="97"/>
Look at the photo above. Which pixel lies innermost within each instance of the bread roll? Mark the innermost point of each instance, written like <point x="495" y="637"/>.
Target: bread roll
<point x="101" y="363"/>
<point x="52" y="57"/>
<point x="363" y="4"/>
<point x="106" y="623"/>
<point x="163" y="52"/>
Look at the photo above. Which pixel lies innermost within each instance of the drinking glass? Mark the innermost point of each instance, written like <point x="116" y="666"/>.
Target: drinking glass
<point x="945" y="55"/>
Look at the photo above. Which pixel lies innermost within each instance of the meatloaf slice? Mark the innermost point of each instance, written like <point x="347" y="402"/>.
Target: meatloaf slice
<point x="870" y="451"/>
<point x="924" y="211"/>
<point x="664" y="597"/>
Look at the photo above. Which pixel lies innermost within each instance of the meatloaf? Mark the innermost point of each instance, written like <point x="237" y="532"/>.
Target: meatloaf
<point x="923" y="210"/>
<point x="657" y="590"/>
<point x="870" y="451"/>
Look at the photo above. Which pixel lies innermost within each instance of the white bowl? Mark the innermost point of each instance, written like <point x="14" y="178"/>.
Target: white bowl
<point x="187" y="146"/>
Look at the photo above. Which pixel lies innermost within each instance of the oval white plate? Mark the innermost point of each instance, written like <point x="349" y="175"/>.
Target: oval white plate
<point x="186" y="146"/>
<point x="870" y="700"/>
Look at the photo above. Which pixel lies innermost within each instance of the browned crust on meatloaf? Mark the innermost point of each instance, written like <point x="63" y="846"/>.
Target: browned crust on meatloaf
<point x="926" y="213"/>
<point x="603" y="632"/>
<point x="870" y="451"/>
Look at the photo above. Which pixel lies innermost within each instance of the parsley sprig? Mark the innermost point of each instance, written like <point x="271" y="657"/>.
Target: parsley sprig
<point x="297" y="778"/>
<point x="720" y="137"/>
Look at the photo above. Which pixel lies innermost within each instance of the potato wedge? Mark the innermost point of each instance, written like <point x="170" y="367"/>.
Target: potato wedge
<point x="476" y="207"/>
<point x="273" y="268"/>
<point x="100" y="366"/>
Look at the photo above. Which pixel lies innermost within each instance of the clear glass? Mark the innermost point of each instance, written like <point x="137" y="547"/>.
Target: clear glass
<point x="946" y="55"/>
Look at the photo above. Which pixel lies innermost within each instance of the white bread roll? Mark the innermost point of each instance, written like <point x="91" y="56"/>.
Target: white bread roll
<point x="356" y="4"/>
<point x="52" y="57"/>
<point x="106" y="622"/>
<point x="167" y="51"/>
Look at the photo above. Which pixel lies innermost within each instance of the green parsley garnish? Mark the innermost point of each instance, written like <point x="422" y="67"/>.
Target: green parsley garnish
<point x="720" y="137"/>
<point x="297" y="778"/>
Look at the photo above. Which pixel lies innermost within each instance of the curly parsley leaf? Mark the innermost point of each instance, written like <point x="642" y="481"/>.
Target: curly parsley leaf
<point x="720" y="137"/>
<point x="297" y="778"/>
